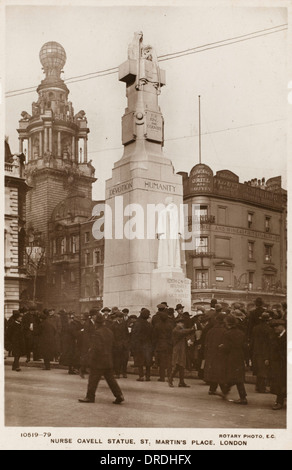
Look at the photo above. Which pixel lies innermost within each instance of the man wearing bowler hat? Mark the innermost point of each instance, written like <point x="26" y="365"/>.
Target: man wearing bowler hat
<point x="101" y="363"/>
<point x="179" y="310"/>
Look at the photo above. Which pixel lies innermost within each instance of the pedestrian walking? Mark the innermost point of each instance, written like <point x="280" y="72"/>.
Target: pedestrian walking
<point x="15" y="337"/>
<point x="55" y="320"/>
<point x="162" y="343"/>
<point x="179" y="354"/>
<point x="278" y="363"/>
<point x="101" y="363"/>
<point x="141" y="344"/>
<point x="86" y="339"/>
<point x="214" y="370"/>
<point x="261" y="352"/>
<point x="121" y="345"/>
<point x="234" y="346"/>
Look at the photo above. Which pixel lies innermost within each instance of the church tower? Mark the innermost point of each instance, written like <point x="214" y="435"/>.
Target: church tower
<point x="60" y="177"/>
<point x="56" y="162"/>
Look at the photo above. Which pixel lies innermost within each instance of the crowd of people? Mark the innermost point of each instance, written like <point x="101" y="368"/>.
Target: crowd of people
<point x="220" y="342"/>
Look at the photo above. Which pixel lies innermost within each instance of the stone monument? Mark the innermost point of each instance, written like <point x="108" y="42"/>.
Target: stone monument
<point x="143" y="257"/>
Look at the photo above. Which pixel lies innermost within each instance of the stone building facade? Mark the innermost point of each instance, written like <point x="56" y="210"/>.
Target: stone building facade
<point x="14" y="223"/>
<point x="61" y="178"/>
<point x="239" y="236"/>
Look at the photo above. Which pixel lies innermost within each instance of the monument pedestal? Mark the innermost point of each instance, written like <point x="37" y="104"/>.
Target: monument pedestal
<point x="142" y="180"/>
<point x="171" y="287"/>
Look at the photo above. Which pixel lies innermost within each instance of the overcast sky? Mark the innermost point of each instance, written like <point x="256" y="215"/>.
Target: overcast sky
<point x="243" y="86"/>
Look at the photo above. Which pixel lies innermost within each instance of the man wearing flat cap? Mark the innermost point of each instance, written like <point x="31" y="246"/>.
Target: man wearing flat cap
<point x="278" y="363"/>
<point x="101" y="363"/>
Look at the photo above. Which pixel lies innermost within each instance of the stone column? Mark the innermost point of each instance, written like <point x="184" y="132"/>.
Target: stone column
<point x="73" y="148"/>
<point x="29" y="149"/>
<point x="85" y="150"/>
<point x="41" y="144"/>
<point x="59" y="145"/>
<point x="50" y="139"/>
<point x="20" y="145"/>
<point x="45" y="139"/>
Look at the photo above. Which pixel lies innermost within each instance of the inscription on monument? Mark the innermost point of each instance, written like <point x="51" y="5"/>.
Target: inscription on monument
<point x="121" y="188"/>
<point x="178" y="291"/>
<point x="157" y="186"/>
<point x="154" y="126"/>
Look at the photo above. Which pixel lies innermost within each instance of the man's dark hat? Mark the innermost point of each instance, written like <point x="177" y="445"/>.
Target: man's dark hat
<point x="145" y="313"/>
<point x="164" y="303"/>
<point x="161" y="306"/>
<point x="16" y="312"/>
<point x="125" y="310"/>
<point x="179" y="306"/>
<point x="265" y="316"/>
<point x="259" y="301"/>
<point x="106" y="309"/>
<point x="186" y="314"/>
<point x="170" y="311"/>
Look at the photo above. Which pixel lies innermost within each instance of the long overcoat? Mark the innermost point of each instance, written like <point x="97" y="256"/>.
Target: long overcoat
<point x="47" y="334"/>
<point x="278" y="362"/>
<point x="215" y="360"/>
<point x="15" y="338"/>
<point x="141" y="343"/>
<point x="179" y="353"/>
<point x="261" y="349"/>
<point x="234" y="348"/>
<point x="101" y="352"/>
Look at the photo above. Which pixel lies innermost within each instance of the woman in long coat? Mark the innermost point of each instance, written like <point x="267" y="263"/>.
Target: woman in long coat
<point x="214" y="371"/>
<point x="261" y="352"/>
<point x="234" y="347"/>
<point x="141" y="344"/>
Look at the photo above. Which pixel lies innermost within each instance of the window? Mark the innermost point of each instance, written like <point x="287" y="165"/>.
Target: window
<point x="201" y="245"/>
<point x="97" y="257"/>
<point x="249" y="219"/>
<point x="267" y="224"/>
<point x="87" y="237"/>
<point x="268" y="253"/>
<point x="54" y="246"/>
<point x="87" y="259"/>
<point x="63" y="280"/>
<point x="250" y="250"/>
<point x="222" y="215"/>
<point x="72" y="276"/>
<point x="200" y="213"/>
<point x="63" y="246"/>
<point x="74" y="243"/>
<point x="250" y="280"/>
<point x="202" y="279"/>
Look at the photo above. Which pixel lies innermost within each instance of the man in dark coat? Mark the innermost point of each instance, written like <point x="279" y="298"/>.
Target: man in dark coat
<point x="101" y="363"/>
<point x="214" y="369"/>
<point x="254" y="316"/>
<point x="86" y="338"/>
<point x="162" y="343"/>
<point x="278" y="362"/>
<point x="141" y="345"/>
<point x="121" y="344"/>
<point x="179" y="352"/>
<point x="15" y="338"/>
<point x="261" y="351"/>
<point x="47" y="333"/>
<point x="234" y="347"/>
<point x="74" y="352"/>
<point x="55" y="319"/>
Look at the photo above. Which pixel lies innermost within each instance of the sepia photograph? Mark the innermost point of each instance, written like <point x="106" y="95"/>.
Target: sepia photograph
<point x="145" y="225"/>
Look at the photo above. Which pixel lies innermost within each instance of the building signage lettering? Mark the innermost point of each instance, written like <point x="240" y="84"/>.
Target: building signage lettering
<point x="201" y="179"/>
<point x="243" y="231"/>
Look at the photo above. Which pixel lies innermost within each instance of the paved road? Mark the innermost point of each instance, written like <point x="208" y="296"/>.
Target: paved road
<point x="49" y="398"/>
